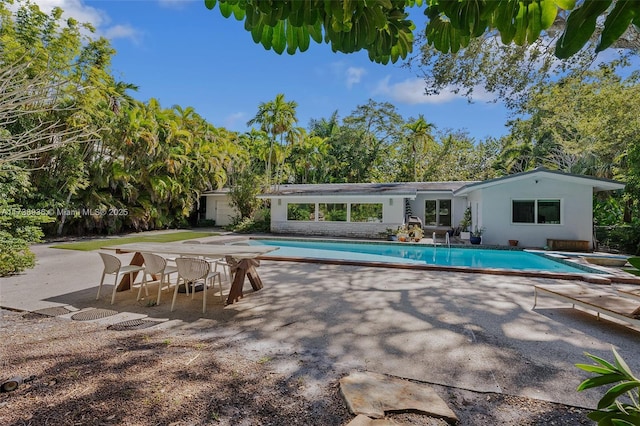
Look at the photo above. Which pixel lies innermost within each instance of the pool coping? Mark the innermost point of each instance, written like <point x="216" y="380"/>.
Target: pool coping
<point x="604" y="276"/>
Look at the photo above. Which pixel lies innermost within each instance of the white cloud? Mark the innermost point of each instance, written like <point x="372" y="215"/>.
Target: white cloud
<point x="75" y="9"/>
<point x="122" y="31"/>
<point x="354" y="76"/>
<point x="174" y="4"/>
<point x="231" y="120"/>
<point x="98" y="18"/>
<point x="340" y="70"/>
<point x="412" y="91"/>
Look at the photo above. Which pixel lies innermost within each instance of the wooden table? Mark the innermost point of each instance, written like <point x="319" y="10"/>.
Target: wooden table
<point x="242" y="260"/>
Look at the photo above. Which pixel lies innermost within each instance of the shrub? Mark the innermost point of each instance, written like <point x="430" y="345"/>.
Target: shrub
<point x="259" y="222"/>
<point x="18" y="228"/>
<point x="624" y="238"/>
<point x="619" y="406"/>
<point x="15" y="255"/>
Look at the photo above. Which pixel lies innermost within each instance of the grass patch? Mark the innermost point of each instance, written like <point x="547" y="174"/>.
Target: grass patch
<point x="153" y="238"/>
<point x="632" y="271"/>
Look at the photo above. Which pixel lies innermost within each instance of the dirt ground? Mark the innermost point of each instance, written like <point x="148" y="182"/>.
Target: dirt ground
<point x="79" y="373"/>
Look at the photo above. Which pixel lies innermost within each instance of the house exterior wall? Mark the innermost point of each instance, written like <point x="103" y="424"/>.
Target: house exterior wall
<point x="392" y="217"/>
<point x="219" y="209"/>
<point x="491" y="208"/>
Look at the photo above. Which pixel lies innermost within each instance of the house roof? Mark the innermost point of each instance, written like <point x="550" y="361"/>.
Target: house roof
<point x="221" y="191"/>
<point x="411" y="189"/>
<point x="397" y="189"/>
<point x="598" y="184"/>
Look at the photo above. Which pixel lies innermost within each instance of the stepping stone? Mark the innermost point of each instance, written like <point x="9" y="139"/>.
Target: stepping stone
<point x="372" y="394"/>
<point x="362" y="420"/>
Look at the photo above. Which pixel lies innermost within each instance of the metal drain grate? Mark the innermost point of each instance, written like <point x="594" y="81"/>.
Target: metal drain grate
<point x="135" y="324"/>
<point x="93" y="314"/>
<point x="53" y="311"/>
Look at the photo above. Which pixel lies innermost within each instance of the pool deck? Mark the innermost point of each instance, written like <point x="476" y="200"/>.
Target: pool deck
<point x="476" y="331"/>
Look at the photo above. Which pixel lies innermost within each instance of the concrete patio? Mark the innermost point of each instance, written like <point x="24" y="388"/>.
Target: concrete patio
<point x="472" y="331"/>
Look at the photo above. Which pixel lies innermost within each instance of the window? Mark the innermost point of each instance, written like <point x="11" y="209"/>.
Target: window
<point x="523" y="211"/>
<point x="332" y="212"/>
<point x="549" y="211"/>
<point x="536" y="211"/>
<point x="301" y="211"/>
<point x="444" y="212"/>
<point x="430" y="213"/>
<point x="437" y="212"/>
<point x="366" y="212"/>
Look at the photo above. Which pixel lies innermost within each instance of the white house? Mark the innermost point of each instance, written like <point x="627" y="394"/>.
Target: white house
<point x="531" y="207"/>
<point x="216" y="206"/>
<point x="535" y="206"/>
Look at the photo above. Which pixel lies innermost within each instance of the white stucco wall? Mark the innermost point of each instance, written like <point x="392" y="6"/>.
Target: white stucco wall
<point x="219" y="209"/>
<point x="491" y="208"/>
<point x="392" y="217"/>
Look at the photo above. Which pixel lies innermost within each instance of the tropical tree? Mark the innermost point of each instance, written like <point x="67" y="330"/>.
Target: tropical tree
<point x="308" y="159"/>
<point x="276" y="118"/>
<point x="325" y="127"/>
<point x="419" y="138"/>
<point x="584" y="123"/>
<point x="383" y="29"/>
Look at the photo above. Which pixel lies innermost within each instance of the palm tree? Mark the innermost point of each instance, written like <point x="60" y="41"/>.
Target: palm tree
<point x="275" y="117"/>
<point x="419" y="137"/>
<point x="118" y="96"/>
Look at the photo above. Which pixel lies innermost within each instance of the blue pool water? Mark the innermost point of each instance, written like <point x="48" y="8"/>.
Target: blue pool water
<point x="418" y="254"/>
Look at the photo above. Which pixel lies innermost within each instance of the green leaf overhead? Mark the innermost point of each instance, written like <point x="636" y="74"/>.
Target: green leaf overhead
<point x="580" y="26"/>
<point x="617" y="22"/>
<point x="382" y="27"/>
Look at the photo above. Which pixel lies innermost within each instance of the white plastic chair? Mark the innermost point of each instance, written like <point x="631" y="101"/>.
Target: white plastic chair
<point x="157" y="265"/>
<point x="113" y="266"/>
<point x="192" y="270"/>
<point x="226" y="268"/>
<point x="213" y="262"/>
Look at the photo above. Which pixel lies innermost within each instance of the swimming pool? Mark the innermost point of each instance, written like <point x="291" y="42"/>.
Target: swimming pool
<point x="419" y="254"/>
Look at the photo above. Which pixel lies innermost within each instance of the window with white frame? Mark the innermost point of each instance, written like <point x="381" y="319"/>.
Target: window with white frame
<point x="536" y="211"/>
<point x="366" y="212"/>
<point x="332" y="212"/>
<point x="301" y="211"/>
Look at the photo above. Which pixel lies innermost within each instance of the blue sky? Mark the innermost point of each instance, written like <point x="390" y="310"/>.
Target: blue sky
<point x="182" y="53"/>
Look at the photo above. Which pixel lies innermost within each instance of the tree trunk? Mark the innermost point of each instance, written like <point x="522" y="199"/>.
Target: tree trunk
<point x="64" y="214"/>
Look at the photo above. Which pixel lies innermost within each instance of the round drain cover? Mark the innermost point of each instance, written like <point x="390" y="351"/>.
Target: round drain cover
<point x="53" y="311"/>
<point x="92" y="314"/>
<point x="135" y="324"/>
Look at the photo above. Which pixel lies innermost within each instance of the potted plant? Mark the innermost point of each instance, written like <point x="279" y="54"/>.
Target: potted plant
<point x="403" y="234"/>
<point x="416" y="233"/>
<point x="476" y="235"/>
<point x="389" y="234"/>
<point x="465" y="223"/>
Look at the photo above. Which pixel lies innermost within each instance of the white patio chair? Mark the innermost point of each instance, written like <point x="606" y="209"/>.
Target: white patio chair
<point x="113" y="266"/>
<point x="157" y="265"/>
<point x="213" y="262"/>
<point x="192" y="270"/>
<point x="226" y="268"/>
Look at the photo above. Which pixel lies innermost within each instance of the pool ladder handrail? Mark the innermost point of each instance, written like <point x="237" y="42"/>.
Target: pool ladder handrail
<point x="447" y="240"/>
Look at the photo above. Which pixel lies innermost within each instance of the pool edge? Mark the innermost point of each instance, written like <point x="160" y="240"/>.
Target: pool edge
<point x="604" y="279"/>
